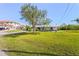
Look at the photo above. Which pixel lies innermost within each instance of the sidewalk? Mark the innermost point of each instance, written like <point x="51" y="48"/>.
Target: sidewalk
<point x="6" y="33"/>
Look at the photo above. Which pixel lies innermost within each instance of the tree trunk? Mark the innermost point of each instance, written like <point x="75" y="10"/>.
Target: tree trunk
<point x="33" y="26"/>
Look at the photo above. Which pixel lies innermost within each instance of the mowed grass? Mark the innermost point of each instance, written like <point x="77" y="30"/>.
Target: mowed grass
<point x="43" y="43"/>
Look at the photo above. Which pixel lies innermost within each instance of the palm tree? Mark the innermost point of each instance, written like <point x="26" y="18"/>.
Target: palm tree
<point x="76" y="20"/>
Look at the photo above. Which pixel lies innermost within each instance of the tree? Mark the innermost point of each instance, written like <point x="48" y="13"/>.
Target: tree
<point x="32" y="14"/>
<point x="45" y="21"/>
<point x="46" y="24"/>
<point x="76" y="20"/>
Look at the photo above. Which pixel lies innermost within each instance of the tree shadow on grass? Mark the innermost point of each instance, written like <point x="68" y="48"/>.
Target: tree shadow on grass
<point x="19" y="34"/>
<point x="37" y="53"/>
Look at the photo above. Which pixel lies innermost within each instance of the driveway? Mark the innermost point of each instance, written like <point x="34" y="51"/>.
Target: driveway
<point x="2" y="33"/>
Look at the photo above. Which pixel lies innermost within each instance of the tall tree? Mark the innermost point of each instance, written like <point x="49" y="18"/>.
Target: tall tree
<point x="31" y="14"/>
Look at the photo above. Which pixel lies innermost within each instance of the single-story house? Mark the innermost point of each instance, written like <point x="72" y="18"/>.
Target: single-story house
<point x="45" y="28"/>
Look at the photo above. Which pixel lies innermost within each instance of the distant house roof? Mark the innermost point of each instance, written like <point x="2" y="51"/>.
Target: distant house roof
<point x="10" y="21"/>
<point x="5" y="21"/>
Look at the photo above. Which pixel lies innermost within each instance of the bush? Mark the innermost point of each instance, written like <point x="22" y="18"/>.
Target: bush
<point x="69" y="27"/>
<point x="28" y="28"/>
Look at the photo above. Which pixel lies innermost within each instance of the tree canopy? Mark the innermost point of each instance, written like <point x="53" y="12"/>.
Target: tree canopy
<point x="76" y="20"/>
<point x="33" y="15"/>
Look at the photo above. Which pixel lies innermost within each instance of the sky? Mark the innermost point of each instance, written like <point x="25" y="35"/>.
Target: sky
<point x="59" y="13"/>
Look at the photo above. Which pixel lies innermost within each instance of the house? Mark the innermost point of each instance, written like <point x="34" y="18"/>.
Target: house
<point x="45" y="28"/>
<point x="9" y="25"/>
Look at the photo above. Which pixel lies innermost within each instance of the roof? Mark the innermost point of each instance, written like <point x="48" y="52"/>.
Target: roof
<point x="6" y="21"/>
<point x="10" y="21"/>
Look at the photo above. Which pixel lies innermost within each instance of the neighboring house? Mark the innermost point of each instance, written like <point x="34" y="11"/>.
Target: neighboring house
<point x="9" y="25"/>
<point x="46" y="28"/>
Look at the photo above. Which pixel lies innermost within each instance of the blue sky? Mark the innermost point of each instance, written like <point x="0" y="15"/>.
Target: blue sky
<point x="59" y="13"/>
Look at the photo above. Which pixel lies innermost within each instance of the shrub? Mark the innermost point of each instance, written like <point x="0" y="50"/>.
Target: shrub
<point x="69" y="27"/>
<point x="28" y="28"/>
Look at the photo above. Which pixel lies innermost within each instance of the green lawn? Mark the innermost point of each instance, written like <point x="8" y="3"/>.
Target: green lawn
<point x="42" y="43"/>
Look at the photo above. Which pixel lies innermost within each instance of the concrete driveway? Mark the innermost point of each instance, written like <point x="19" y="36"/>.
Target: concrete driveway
<point x="2" y="33"/>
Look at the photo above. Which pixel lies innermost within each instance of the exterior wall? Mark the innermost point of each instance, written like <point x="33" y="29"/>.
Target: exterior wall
<point x="46" y="28"/>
